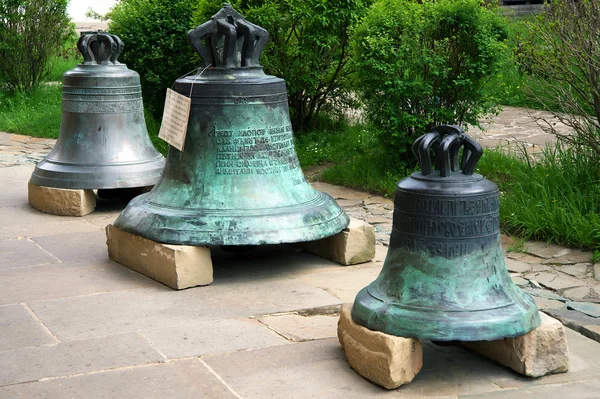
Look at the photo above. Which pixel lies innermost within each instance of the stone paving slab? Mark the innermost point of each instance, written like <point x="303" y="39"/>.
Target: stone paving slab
<point x="156" y="307"/>
<point x="17" y="174"/>
<point x="212" y="337"/>
<point x="19" y="329"/>
<point x="62" y="280"/>
<point x="32" y="229"/>
<point x="89" y="245"/>
<point x="315" y="369"/>
<point x="341" y="283"/>
<point x="318" y="369"/>
<point x="580" y="322"/>
<point x="21" y="253"/>
<point x="579" y="390"/>
<point x="299" y="328"/>
<point x="68" y="358"/>
<point x="183" y="379"/>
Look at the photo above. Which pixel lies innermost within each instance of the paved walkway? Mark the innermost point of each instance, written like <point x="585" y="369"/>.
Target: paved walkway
<point x="74" y="324"/>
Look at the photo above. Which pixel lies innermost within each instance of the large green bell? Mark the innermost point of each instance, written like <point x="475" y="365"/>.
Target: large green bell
<point x="444" y="277"/>
<point x="238" y="181"/>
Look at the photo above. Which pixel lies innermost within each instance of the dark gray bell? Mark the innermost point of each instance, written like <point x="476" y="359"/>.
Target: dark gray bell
<point x="103" y="141"/>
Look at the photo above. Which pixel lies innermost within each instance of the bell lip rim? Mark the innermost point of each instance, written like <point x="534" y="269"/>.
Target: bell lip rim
<point x="156" y="158"/>
<point x="319" y="199"/>
<point x="489" y="334"/>
<point x="255" y="233"/>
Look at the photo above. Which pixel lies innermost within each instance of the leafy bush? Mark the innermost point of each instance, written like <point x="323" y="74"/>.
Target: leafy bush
<point x="425" y="64"/>
<point x="308" y="47"/>
<point x="67" y="58"/>
<point x="31" y="31"/>
<point x="563" y="53"/>
<point x="154" y="33"/>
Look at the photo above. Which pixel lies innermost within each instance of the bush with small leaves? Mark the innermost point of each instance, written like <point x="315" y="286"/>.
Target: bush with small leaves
<point x="154" y="33"/>
<point x="421" y="64"/>
<point x="31" y="32"/>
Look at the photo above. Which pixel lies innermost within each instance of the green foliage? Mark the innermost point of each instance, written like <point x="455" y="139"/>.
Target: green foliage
<point x="35" y="113"/>
<point x="308" y="47"/>
<point x="425" y="64"/>
<point x="30" y="34"/>
<point x="563" y="53"/>
<point x="554" y="199"/>
<point x="68" y="56"/>
<point x="334" y="142"/>
<point x="154" y="33"/>
<point x="359" y="161"/>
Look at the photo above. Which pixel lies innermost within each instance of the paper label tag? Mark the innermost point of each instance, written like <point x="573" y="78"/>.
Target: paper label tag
<point x="173" y="128"/>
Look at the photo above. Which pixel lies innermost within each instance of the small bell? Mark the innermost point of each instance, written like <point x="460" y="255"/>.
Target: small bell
<point x="444" y="277"/>
<point x="103" y="141"/>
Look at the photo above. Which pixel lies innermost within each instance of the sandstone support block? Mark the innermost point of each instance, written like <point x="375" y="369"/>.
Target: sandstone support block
<point x="61" y="201"/>
<point x="177" y="266"/>
<point x="540" y="352"/>
<point x="386" y="360"/>
<point x="355" y="244"/>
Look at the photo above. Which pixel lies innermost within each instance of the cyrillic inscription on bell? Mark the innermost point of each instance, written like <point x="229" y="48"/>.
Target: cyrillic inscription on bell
<point x="103" y="141"/>
<point x="238" y="180"/>
<point x="444" y="277"/>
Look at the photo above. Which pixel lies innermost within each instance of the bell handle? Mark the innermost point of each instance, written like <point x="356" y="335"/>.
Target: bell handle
<point x="422" y="146"/>
<point x="196" y="39"/>
<point x="106" y="49"/>
<point x="229" y="44"/>
<point x="255" y="40"/>
<point x="83" y="45"/>
<point x="118" y="50"/>
<point x="474" y="152"/>
<point x="102" y="53"/>
<point x="445" y="152"/>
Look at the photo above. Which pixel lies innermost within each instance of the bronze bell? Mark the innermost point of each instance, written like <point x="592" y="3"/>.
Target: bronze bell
<point x="103" y="141"/>
<point x="238" y="181"/>
<point x="444" y="277"/>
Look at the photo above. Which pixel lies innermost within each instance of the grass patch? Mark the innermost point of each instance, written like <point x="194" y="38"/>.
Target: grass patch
<point x="556" y="199"/>
<point x="39" y="112"/>
<point x="359" y="160"/>
<point x="36" y="113"/>
<point x="58" y="66"/>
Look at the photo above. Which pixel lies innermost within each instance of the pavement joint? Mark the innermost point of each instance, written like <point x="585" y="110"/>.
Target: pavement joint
<point x="40" y="322"/>
<point x="44" y="250"/>
<point x="152" y="345"/>
<point x="221" y="380"/>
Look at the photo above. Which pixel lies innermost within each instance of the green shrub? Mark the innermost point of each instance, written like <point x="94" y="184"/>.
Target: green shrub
<point x="563" y="53"/>
<point x="67" y="57"/>
<point x="31" y="31"/>
<point x="425" y="64"/>
<point x="308" y="47"/>
<point x="154" y="33"/>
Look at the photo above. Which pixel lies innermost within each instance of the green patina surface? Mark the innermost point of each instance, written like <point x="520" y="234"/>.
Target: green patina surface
<point x="468" y="298"/>
<point x="238" y="180"/>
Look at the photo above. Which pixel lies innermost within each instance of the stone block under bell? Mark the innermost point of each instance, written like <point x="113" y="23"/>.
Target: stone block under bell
<point x="351" y="246"/>
<point x="103" y="142"/>
<point x="391" y="361"/>
<point x="444" y="277"/>
<point x="238" y="181"/>
<point x="384" y="359"/>
<point x="176" y="266"/>
<point x="61" y="201"/>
